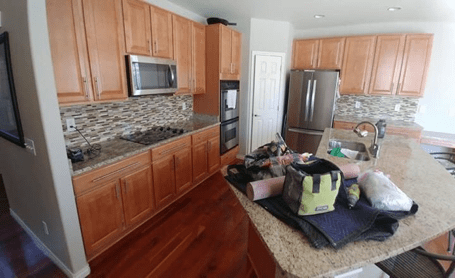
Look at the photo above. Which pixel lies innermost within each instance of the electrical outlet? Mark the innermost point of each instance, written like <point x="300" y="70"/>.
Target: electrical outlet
<point x="46" y="230"/>
<point x="70" y="124"/>
<point x="184" y="106"/>
<point x="422" y="109"/>
<point x="397" y="107"/>
<point x="357" y="104"/>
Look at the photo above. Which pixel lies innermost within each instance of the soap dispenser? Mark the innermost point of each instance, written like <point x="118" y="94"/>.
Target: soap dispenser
<point x="381" y="125"/>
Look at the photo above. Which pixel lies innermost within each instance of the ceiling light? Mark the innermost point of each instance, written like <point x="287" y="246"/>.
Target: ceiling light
<point x="392" y="9"/>
<point x="319" y="16"/>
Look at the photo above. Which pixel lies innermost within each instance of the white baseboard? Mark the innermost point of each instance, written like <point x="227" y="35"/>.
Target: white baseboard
<point x="84" y="272"/>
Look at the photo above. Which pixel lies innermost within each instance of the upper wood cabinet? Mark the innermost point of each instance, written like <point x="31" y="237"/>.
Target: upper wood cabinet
<point x="198" y="61"/>
<point x="229" y="44"/>
<point x="387" y="64"/>
<point x="136" y="20"/>
<point x="105" y="41"/>
<point x="161" y="33"/>
<point x="414" y="69"/>
<point x="318" y="53"/>
<point x="182" y="30"/>
<point x="357" y="64"/>
<point x="401" y="64"/>
<point x="305" y="54"/>
<point x="69" y="51"/>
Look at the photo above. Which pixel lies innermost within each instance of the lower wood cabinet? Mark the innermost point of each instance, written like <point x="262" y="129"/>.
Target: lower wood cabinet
<point x="206" y="153"/>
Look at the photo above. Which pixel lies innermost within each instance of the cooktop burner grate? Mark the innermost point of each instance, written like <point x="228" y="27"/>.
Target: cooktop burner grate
<point x="154" y="135"/>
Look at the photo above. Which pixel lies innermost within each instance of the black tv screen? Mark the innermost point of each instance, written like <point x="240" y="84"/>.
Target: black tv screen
<point x="10" y="122"/>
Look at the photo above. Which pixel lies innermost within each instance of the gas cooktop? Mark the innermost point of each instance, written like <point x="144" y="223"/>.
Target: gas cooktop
<point x="154" y="135"/>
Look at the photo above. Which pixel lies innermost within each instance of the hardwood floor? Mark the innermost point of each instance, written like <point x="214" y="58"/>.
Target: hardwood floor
<point x="19" y="256"/>
<point x="204" y="234"/>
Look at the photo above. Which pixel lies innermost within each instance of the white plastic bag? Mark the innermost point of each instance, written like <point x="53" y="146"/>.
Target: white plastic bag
<point x="382" y="192"/>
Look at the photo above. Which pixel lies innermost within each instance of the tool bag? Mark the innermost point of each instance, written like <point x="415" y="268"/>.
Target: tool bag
<point x="312" y="187"/>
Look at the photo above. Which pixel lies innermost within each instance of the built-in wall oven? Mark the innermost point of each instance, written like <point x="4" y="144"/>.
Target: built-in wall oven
<point x="229" y="115"/>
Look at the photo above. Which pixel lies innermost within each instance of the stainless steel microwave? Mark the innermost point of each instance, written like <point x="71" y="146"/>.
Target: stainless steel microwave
<point x="150" y="76"/>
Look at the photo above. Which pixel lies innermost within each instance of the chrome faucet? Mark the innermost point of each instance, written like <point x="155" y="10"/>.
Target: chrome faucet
<point x="374" y="148"/>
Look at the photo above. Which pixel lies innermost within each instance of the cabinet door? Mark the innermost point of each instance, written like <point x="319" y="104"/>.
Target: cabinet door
<point x="69" y="51"/>
<point x="198" y="58"/>
<point x="330" y="53"/>
<point x="225" y="51"/>
<point x="305" y="54"/>
<point x="357" y="65"/>
<point x="236" y="54"/>
<point x="137" y="195"/>
<point x="101" y="216"/>
<point x="136" y="20"/>
<point x="200" y="169"/>
<point x="182" y="53"/>
<point x="104" y="29"/>
<point x="162" y="33"/>
<point x="213" y="157"/>
<point x="416" y="60"/>
<point x="183" y="170"/>
<point x="164" y="180"/>
<point x="387" y="64"/>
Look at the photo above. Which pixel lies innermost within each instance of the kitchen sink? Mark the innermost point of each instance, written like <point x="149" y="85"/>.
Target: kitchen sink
<point x="360" y="148"/>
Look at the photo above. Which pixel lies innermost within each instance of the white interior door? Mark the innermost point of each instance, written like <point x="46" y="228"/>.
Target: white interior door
<point x="266" y="99"/>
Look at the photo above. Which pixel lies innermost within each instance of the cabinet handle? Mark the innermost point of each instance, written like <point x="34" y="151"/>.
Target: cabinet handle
<point x="86" y="87"/>
<point x="117" y="191"/>
<point x="156" y="47"/>
<point x="391" y="88"/>
<point x="177" y="161"/>
<point x="231" y="68"/>
<point x="209" y="146"/>
<point x="150" y="46"/>
<point x="398" y="88"/>
<point x="97" y="87"/>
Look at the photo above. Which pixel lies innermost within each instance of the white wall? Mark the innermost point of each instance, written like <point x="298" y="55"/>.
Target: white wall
<point x="165" y="4"/>
<point x="267" y="36"/>
<point x="39" y="187"/>
<point x="440" y="92"/>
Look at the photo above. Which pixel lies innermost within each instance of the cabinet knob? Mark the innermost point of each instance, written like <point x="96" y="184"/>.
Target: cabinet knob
<point x="117" y="191"/>
<point x="97" y="86"/>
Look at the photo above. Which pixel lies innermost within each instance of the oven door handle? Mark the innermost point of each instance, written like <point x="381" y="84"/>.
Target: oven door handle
<point x="171" y="82"/>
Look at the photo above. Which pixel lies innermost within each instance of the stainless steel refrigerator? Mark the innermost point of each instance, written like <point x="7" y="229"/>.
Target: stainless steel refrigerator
<point x="311" y="107"/>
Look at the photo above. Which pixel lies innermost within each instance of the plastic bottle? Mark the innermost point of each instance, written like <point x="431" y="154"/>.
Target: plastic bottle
<point x="381" y="128"/>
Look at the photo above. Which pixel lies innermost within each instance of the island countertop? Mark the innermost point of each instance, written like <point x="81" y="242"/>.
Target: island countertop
<point x="414" y="171"/>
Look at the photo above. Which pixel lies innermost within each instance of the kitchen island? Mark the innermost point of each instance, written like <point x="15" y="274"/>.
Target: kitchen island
<point x="414" y="171"/>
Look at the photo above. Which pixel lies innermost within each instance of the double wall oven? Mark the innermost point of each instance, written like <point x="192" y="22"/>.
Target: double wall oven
<point x="229" y="115"/>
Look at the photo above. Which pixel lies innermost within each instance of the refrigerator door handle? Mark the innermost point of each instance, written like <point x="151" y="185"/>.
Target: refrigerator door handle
<point x="306" y="131"/>
<point x="307" y="106"/>
<point x="312" y="100"/>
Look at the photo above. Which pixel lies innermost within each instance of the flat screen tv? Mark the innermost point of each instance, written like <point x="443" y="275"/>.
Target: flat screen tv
<point x="10" y="121"/>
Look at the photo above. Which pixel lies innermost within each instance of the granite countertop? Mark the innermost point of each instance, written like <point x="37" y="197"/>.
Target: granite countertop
<point x="410" y="168"/>
<point x="395" y="123"/>
<point x="116" y="149"/>
<point x="438" y="138"/>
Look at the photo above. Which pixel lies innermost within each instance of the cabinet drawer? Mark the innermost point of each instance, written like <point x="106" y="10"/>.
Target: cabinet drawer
<point x="170" y="148"/>
<point x="205" y="135"/>
<point x="85" y="182"/>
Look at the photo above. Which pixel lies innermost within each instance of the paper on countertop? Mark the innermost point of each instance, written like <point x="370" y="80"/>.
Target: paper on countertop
<point x="231" y="99"/>
<point x="349" y="153"/>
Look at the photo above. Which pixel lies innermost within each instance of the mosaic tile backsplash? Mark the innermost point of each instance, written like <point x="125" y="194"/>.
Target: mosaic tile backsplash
<point x="378" y="107"/>
<point x="101" y="121"/>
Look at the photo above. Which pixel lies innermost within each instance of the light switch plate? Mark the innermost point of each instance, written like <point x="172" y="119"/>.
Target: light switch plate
<point x="397" y="107"/>
<point x="357" y="104"/>
<point x="183" y="106"/>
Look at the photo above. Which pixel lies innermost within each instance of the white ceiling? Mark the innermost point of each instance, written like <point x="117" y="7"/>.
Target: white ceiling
<point x="337" y="12"/>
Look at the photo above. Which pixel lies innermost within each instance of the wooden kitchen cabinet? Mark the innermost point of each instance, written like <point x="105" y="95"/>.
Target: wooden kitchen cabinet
<point x="229" y="51"/>
<point x="387" y="64"/>
<point x="136" y="21"/>
<point x="100" y="216"/>
<point x="87" y="47"/>
<point x="69" y="51"/>
<point x="305" y="54"/>
<point x="137" y="195"/>
<point x="206" y="153"/>
<point x="401" y="64"/>
<point x="413" y="133"/>
<point x="324" y="53"/>
<point x="172" y="170"/>
<point x="357" y="64"/>
<point x="416" y="60"/>
<point x="162" y="39"/>
<point x="198" y="58"/>
<point x="182" y="28"/>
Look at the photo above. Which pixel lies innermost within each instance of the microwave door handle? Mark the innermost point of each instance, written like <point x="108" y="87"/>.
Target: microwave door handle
<point x="171" y="82"/>
<point x="137" y="77"/>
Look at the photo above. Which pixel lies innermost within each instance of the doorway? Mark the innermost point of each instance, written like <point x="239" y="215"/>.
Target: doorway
<point x="268" y="95"/>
